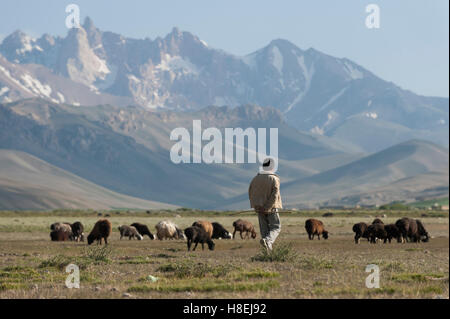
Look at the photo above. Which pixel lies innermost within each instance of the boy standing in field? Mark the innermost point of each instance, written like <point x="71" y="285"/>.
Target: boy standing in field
<point x="265" y="198"/>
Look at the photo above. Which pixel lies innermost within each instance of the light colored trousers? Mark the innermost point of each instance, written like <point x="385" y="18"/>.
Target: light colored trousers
<point x="269" y="226"/>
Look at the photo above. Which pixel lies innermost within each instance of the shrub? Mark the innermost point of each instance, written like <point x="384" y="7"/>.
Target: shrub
<point x="281" y="253"/>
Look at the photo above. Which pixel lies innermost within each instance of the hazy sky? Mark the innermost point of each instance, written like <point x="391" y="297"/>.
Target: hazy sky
<point x="411" y="47"/>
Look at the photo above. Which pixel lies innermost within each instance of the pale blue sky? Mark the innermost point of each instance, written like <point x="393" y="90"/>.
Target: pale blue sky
<point x="410" y="49"/>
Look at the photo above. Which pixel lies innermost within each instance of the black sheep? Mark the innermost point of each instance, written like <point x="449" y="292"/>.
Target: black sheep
<point x="424" y="236"/>
<point x="220" y="232"/>
<point x="77" y="231"/>
<point x="360" y="230"/>
<point x="195" y="234"/>
<point x="392" y="231"/>
<point x="376" y="231"/>
<point x="143" y="230"/>
<point x="410" y="230"/>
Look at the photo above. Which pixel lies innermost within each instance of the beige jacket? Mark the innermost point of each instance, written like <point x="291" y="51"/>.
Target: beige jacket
<point x="264" y="192"/>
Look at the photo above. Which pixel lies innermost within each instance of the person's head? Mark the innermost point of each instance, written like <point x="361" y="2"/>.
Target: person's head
<point x="268" y="165"/>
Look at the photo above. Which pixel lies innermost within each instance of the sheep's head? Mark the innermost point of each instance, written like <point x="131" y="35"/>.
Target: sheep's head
<point x="90" y="239"/>
<point x="325" y="234"/>
<point x="180" y="234"/>
<point x="425" y="238"/>
<point x="211" y="245"/>
<point x="253" y="234"/>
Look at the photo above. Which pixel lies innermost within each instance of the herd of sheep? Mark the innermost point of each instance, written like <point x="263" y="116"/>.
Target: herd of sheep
<point x="405" y="229"/>
<point x="203" y="232"/>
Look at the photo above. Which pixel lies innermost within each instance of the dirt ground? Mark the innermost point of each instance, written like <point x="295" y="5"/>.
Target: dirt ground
<point x="31" y="266"/>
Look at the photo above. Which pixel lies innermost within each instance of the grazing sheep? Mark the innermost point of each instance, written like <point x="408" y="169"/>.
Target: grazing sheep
<point x="129" y="231"/>
<point x="360" y="230"/>
<point x="377" y="221"/>
<point x="376" y="231"/>
<point x="64" y="227"/>
<point x="59" y="225"/>
<point x="167" y="229"/>
<point x="59" y="235"/>
<point x="392" y="231"/>
<point x="220" y="232"/>
<point x="195" y="234"/>
<point x="207" y="226"/>
<point x="315" y="227"/>
<point x="411" y="230"/>
<point x="143" y="230"/>
<point x="424" y="236"/>
<point x="101" y="230"/>
<point x="244" y="226"/>
<point x="77" y="231"/>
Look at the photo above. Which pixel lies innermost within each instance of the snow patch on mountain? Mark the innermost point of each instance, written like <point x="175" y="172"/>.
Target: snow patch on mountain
<point x="4" y="90"/>
<point x="308" y="75"/>
<point x="372" y="115"/>
<point x="177" y="64"/>
<point x="333" y="99"/>
<point x="277" y="59"/>
<point x="36" y="86"/>
<point x="15" y="81"/>
<point x="353" y="72"/>
<point x="61" y="97"/>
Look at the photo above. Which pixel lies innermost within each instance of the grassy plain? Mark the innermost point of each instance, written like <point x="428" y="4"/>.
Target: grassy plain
<point x="31" y="266"/>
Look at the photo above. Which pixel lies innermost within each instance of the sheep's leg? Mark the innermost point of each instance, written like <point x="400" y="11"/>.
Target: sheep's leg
<point x="189" y="242"/>
<point x="318" y="236"/>
<point x="106" y="241"/>
<point x="234" y="233"/>
<point x="195" y="246"/>
<point x="240" y="233"/>
<point x="203" y="246"/>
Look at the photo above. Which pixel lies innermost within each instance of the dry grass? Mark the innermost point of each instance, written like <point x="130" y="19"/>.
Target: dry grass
<point x="31" y="266"/>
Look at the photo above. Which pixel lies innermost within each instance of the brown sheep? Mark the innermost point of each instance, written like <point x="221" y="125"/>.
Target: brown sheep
<point x="102" y="229"/>
<point x="61" y="228"/>
<point x="315" y="227"/>
<point x="207" y="226"/>
<point x="244" y="226"/>
<point x="195" y="234"/>
<point x="59" y="235"/>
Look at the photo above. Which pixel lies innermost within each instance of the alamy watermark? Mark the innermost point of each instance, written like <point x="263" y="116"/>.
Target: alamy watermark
<point x="373" y="280"/>
<point x="223" y="150"/>
<point x="73" y="279"/>
<point x="373" y="19"/>
<point x="73" y="19"/>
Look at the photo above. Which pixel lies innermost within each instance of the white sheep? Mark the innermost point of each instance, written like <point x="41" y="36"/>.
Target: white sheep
<point x="167" y="229"/>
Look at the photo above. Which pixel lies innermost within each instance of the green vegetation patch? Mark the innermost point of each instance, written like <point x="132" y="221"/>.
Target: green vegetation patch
<point x="206" y="286"/>
<point x="91" y="256"/>
<point x="414" y="277"/>
<point x="189" y="268"/>
<point x="283" y="252"/>
<point x="308" y="263"/>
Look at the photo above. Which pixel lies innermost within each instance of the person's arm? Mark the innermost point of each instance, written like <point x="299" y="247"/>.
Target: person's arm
<point x="273" y="195"/>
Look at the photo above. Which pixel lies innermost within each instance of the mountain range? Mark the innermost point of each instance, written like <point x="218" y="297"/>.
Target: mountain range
<point x="127" y="150"/>
<point x="315" y="92"/>
<point x="94" y="111"/>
